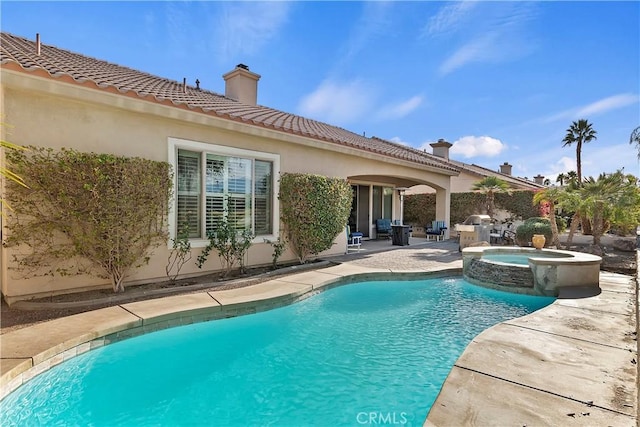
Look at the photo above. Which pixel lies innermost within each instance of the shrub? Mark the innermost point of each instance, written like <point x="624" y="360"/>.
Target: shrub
<point x="230" y="243"/>
<point x="180" y="252"/>
<point x="90" y="213"/>
<point x="314" y="210"/>
<point x="279" y="246"/>
<point x="531" y="226"/>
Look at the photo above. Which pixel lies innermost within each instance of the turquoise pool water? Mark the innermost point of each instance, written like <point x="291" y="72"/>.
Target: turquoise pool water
<point x="519" y="259"/>
<point x="361" y="354"/>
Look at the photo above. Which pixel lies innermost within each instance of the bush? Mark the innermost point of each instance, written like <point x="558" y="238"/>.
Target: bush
<point x="531" y="226"/>
<point x="230" y="243"/>
<point x="314" y="210"/>
<point x="88" y="213"/>
<point x="420" y="209"/>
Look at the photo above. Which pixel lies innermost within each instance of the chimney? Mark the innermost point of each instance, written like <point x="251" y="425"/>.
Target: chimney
<point x="441" y="148"/>
<point x="242" y="85"/>
<point x="539" y="179"/>
<point x="505" y="168"/>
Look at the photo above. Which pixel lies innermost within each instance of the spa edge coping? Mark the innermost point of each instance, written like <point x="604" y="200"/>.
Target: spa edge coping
<point x="563" y="257"/>
<point x="30" y="351"/>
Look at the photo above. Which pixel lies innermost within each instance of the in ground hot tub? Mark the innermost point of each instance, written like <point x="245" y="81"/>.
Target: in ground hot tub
<point x="530" y="271"/>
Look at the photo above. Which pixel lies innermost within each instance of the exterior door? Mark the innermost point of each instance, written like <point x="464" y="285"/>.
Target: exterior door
<point x="361" y="208"/>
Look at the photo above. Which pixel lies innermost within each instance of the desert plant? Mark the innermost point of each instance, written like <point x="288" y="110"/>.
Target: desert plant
<point x="180" y="252"/>
<point x="230" y="243"/>
<point x="531" y="226"/>
<point x="314" y="210"/>
<point x="489" y="186"/>
<point x="580" y="132"/>
<point x="610" y="199"/>
<point x="98" y="214"/>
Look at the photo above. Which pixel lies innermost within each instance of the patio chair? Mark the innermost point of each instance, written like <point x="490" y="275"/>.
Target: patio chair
<point x="354" y="240"/>
<point x="436" y="230"/>
<point x="383" y="228"/>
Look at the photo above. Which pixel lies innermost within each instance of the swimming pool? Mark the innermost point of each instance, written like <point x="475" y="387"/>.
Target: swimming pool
<point x="371" y="349"/>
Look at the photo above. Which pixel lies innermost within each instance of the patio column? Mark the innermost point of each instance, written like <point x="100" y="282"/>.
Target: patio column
<point x="443" y="208"/>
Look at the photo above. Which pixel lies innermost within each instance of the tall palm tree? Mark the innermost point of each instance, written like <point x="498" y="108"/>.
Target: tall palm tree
<point x="561" y="178"/>
<point x="489" y="186"/>
<point x="635" y="139"/>
<point x="579" y="132"/>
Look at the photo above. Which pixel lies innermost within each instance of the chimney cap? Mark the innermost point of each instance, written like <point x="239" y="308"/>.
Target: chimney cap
<point x="243" y="66"/>
<point x="441" y="143"/>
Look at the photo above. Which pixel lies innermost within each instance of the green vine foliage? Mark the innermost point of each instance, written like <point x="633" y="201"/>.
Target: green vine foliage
<point x="230" y="243"/>
<point x="314" y="210"/>
<point x="86" y="213"/>
<point x="420" y="209"/>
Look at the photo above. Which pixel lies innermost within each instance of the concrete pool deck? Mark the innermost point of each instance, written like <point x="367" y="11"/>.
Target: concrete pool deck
<point x="571" y="363"/>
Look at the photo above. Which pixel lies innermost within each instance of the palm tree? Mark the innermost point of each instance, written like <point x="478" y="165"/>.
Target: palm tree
<point x="561" y="178"/>
<point x="490" y="186"/>
<point x="579" y="132"/>
<point x="572" y="178"/>
<point x="610" y="198"/>
<point x="635" y="139"/>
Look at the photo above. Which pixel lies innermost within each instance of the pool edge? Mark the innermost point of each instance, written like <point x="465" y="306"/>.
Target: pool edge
<point x="27" y="359"/>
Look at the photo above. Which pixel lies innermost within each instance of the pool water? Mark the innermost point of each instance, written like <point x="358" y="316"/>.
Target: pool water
<point x="519" y="259"/>
<point x="360" y="354"/>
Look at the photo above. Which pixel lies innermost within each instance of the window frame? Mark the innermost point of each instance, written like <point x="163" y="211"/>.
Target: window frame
<point x="175" y="144"/>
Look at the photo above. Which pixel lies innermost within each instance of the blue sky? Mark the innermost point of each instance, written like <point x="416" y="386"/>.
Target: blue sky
<point x="501" y="80"/>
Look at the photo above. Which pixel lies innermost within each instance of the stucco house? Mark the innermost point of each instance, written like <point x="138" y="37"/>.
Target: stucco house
<point x="56" y="98"/>
<point x="472" y="173"/>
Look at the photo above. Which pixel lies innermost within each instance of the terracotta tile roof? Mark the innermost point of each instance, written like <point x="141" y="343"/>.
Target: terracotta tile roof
<point x="515" y="181"/>
<point x="20" y="54"/>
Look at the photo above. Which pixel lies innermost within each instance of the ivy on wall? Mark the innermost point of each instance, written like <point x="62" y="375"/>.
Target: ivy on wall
<point x="86" y="213"/>
<point x="314" y="210"/>
<point x="420" y="209"/>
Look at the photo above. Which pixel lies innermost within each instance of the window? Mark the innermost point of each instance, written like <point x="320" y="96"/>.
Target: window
<point x="216" y="182"/>
<point x="382" y="202"/>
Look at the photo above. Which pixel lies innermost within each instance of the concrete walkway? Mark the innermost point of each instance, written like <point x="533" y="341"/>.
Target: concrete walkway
<point x="571" y="363"/>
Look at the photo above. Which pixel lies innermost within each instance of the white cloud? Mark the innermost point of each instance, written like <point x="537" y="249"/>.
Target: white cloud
<point x="563" y="165"/>
<point x="478" y="50"/>
<point x="399" y="110"/>
<point x="399" y="140"/>
<point x="496" y="36"/>
<point x="608" y="104"/>
<point x="338" y="103"/>
<point x="476" y="146"/>
<point x="449" y="17"/>
<point x="598" y="107"/>
<point x="243" y="28"/>
<point x="374" y="22"/>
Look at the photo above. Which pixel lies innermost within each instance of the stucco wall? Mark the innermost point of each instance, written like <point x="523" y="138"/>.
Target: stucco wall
<point x="44" y="112"/>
